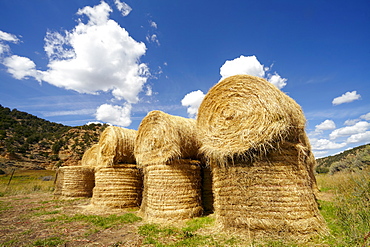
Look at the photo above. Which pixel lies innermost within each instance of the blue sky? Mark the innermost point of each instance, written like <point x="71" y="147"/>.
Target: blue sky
<point x="75" y="62"/>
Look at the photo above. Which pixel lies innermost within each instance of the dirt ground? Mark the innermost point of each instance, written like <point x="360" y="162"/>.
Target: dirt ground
<point x="27" y="220"/>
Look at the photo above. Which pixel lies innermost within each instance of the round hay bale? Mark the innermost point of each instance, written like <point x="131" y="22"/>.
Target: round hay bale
<point x="58" y="183"/>
<point x="172" y="191"/>
<point x="78" y="181"/>
<point x="162" y="137"/>
<point x="271" y="197"/>
<point x="245" y="116"/>
<point x="119" y="186"/>
<point x="116" y="146"/>
<point x="90" y="157"/>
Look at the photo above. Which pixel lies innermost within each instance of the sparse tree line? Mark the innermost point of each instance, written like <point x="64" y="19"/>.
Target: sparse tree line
<point x="29" y="137"/>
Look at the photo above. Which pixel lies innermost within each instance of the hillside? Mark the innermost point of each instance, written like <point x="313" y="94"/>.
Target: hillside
<point x="29" y="142"/>
<point x="356" y="158"/>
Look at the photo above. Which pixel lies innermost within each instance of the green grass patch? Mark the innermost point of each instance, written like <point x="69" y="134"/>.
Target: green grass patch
<point x="197" y="223"/>
<point x="52" y="241"/>
<point x="168" y="236"/>
<point x="46" y="212"/>
<point x="99" y="221"/>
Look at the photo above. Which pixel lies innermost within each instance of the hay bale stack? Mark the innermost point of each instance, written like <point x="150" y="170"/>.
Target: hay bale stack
<point x="119" y="186"/>
<point x="116" y="146"/>
<point x="90" y="157"/>
<point x="78" y="181"/>
<point x="253" y="137"/>
<point x="166" y="149"/>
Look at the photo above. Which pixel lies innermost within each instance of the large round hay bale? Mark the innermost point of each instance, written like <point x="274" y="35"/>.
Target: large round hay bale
<point x="116" y="146"/>
<point x="162" y="137"/>
<point x="246" y="116"/>
<point x="253" y="138"/>
<point x="90" y="157"/>
<point x="119" y="186"/>
<point x="172" y="192"/>
<point x="78" y="181"/>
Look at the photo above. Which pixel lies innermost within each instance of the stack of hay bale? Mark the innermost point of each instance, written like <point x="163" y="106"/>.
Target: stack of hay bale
<point x="254" y="140"/>
<point x="166" y="149"/>
<point x="118" y="182"/>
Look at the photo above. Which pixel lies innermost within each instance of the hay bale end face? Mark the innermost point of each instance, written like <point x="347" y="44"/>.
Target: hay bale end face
<point x="116" y="146"/>
<point x="172" y="191"/>
<point x="119" y="186"/>
<point x="243" y="116"/>
<point x="90" y="157"/>
<point x="162" y="137"/>
<point x="77" y="181"/>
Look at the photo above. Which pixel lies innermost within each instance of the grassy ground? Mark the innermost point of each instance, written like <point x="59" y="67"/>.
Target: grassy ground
<point x="29" y="216"/>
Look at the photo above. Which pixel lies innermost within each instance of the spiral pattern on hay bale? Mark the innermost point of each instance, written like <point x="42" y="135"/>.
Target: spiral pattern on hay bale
<point x="172" y="191"/>
<point x="78" y="181"/>
<point x="119" y="186"/>
<point x="90" y="157"/>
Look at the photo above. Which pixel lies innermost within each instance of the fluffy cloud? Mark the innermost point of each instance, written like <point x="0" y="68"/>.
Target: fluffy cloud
<point x="360" y="137"/>
<point x="123" y="7"/>
<point x="326" y="125"/>
<point x="193" y="100"/>
<point x="324" y="144"/>
<point x="95" y="56"/>
<point x="346" y="98"/>
<point x="366" y="116"/>
<point x="251" y="66"/>
<point x="349" y="122"/>
<point x="358" y="128"/>
<point x="6" y="37"/>
<point x="114" y="114"/>
<point x="22" y="67"/>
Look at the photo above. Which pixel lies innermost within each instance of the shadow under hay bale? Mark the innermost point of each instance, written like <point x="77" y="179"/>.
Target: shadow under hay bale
<point x="207" y="190"/>
<point x="253" y="138"/>
<point x="172" y="192"/>
<point x="166" y="149"/>
<point x="78" y="181"/>
<point x="119" y="186"/>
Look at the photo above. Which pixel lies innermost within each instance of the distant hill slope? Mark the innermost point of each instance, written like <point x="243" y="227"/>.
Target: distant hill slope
<point x="29" y="142"/>
<point x="356" y="158"/>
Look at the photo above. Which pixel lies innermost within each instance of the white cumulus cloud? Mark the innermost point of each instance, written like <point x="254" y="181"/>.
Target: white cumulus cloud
<point x="95" y="56"/>
<point x="358" y="128"/>
<point x="326" y="125"/>
<point x="324" y="144"/>
<point x="346" y="98"/>
<point x="366" y="116"/>
<point x="6" y="37"/>
<point x="22" y="67"/>
<point x="250" y="65"/>
<point x="193" y="100"/>
<point x="360" y="137"/>
<point x="114" y="114"/>
<point x="123" y="7"/>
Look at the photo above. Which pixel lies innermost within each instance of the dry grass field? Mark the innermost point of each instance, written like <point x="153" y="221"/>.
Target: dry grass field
<point x="29" y="216"/>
